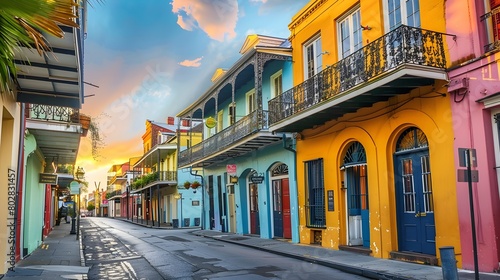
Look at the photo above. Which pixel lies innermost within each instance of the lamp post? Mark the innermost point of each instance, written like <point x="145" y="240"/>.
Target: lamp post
<point x="80" y="175"/>
<point x="127" y="190"/>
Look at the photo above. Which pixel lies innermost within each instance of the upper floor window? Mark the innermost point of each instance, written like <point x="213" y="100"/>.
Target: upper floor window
<point x="313" y="59"/>
<point x="405" y="12"/>
<point x="350" y="33"/>
<point x="220" y="120"/>
<point x="276" y="83"/>
<point x="491" y="23"/>
<point x="232" y="113"/>
<point x="250" y="96"/>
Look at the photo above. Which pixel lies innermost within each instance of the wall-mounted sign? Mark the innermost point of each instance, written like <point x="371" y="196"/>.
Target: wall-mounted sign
<point x="329" y="195"/>
<point x="195" y="203"/>
<point x="257" y="179"/>
<point x="231" y="169"/>
<point x="74" y="187"/>
<point x="210" y="122"/>
<point x="46" y="178"/>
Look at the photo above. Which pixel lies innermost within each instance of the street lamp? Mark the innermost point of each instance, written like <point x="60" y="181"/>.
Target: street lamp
<point x="75" y="220"/>
<point x="127" y="190"/>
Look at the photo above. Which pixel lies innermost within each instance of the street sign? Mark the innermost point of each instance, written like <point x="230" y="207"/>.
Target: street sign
<point x="74" y="187"/>
<point x="231" y="169"/>
<point x="463" y="161"/>
<point x="257" y="179"/>
<point x="46" y="178"/>
<point x="462" y="176"/>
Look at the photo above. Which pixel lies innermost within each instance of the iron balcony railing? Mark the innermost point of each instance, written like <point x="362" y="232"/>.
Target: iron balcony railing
<point x="52" y="113"/>
<point x="493" y="25"/>
<point x="251" y="123"/>
<point x="153" y="178"/>
<point x="404" y="45"/>
<point x="113" y="193"/>
<point x="315" y="216"/>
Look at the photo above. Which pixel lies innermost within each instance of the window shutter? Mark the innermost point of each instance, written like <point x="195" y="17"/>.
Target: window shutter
<point x="494" y="3"/>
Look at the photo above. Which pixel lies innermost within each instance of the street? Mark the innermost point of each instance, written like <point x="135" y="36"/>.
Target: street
<point x="116" y="249"/>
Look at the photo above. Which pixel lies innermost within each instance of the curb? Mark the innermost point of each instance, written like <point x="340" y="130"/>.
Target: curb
<point x="369" y="273"/>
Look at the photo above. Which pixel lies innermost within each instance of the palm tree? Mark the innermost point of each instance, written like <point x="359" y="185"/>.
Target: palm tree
<point x="25" y="23"/>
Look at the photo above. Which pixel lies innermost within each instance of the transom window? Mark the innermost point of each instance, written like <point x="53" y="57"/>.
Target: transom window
<point x="410" y="139"/>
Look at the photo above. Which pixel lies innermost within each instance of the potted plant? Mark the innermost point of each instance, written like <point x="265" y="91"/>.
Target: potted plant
<point x="187" y="184"/>
<point x="195" y="184"/>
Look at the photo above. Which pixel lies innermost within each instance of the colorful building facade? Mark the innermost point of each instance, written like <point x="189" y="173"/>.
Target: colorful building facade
<point x="248" y="172"/>
<point x="374" y="132"/>
<point x="158" y="191"/>
<point x="474" y="88"/>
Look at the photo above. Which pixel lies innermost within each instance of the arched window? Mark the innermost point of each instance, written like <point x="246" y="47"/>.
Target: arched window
<point x="279" y="170"/>
<point x="411" y="139"/>
<point x="355" y="155"/>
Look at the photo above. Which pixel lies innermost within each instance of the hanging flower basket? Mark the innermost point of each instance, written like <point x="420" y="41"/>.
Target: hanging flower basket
<point x="195" y="184"/>
<point x="187" y="184"/>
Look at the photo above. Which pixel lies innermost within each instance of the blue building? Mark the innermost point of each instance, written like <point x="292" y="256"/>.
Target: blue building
<point x="248" y="172"/>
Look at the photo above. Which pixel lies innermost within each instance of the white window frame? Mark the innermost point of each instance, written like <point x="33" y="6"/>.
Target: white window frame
<point x="274" y="77"/>
<point x="317" y="59"/>
<point x="404" y="13"/>
<point x="354" y="28"/>
<point x="250" y="101"/>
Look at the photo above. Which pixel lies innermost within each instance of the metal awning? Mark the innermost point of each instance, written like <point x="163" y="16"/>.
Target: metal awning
<point x="55" y="78"/>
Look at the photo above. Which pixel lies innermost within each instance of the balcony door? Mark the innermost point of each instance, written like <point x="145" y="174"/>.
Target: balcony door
<point x="401" y="12"/>
<point x="313" y="57"/>
<point x="350" y="41"/>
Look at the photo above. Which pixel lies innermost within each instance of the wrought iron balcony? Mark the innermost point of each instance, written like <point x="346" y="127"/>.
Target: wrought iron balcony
<point x="52" y="113"/>
<point x="152" y="179"/>
<point x="247" y="134"/>
<point x="396" y="63"/>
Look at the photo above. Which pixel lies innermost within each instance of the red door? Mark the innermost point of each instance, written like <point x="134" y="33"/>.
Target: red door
<point x="287" y="221"/>
<point x="47" y="211"/>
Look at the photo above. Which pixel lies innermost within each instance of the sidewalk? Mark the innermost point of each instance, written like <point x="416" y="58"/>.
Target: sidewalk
<point x="345" y="261"/>
<point x="59" y="257"/>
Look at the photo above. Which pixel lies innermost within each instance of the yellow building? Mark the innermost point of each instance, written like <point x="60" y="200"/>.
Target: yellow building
<point x="374" y="128"/>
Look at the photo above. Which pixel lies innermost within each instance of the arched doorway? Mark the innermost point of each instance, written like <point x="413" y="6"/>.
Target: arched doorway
<point x="356" y="186"/>
<point x="282" y="223"/>
<point x="414" y="203"/>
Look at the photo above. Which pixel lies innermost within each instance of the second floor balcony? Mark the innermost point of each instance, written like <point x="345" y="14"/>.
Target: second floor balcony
<point x="155" y="168"/>
<point x="247" y="134"/>
<point x="57" y="131"/>
<point x="398" y="62"/>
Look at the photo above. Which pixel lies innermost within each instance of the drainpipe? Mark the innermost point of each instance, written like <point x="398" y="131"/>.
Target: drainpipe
<point x="202" y="218"/>
<point x="291" y="150"/>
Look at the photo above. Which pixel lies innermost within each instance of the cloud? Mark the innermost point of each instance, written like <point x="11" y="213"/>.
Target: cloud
<point x="216" y="18"/>
<point x="191" y="63"/>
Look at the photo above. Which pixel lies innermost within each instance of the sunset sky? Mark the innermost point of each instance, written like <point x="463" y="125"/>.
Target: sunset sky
<point x="150" y="59"/>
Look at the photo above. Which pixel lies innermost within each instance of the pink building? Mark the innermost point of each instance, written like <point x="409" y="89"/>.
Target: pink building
<point x="474" y="92"/>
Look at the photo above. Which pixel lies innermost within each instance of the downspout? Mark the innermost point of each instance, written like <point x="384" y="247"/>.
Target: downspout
<point x="296" y="197"/>
<point x="202" y="218"/>
<point x="19" y="186"/>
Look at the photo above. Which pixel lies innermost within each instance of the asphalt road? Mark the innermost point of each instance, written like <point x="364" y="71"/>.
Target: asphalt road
<point x="119" y="250"/>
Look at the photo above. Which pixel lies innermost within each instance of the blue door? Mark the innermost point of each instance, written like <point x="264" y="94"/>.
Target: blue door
<point x="415" y="208"/>
<point x="356" y="181"/>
